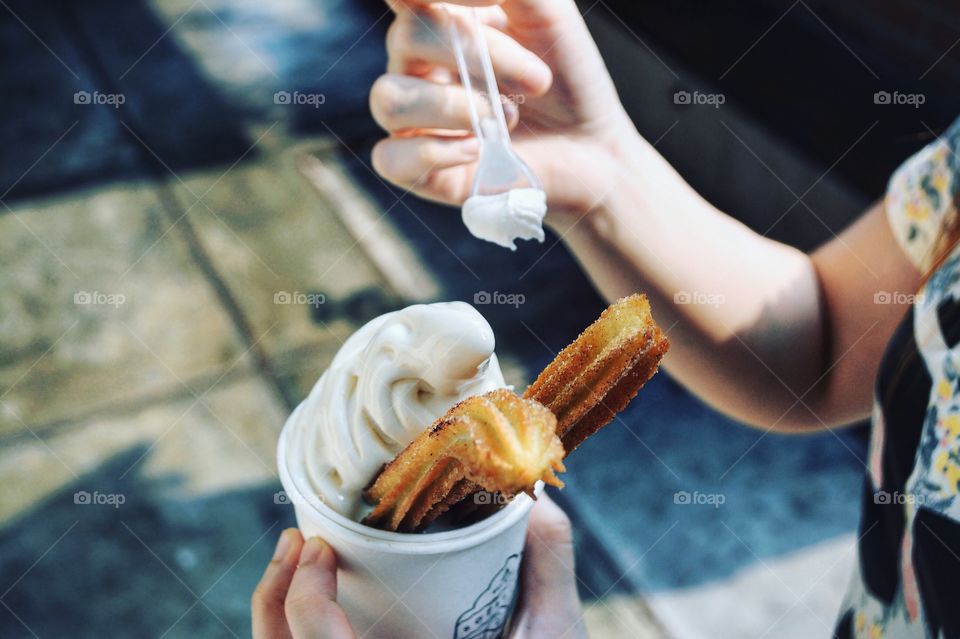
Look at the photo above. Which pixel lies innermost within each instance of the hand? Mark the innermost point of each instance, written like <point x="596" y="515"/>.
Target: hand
<point x="297" y="596"/>
<point x="569" y="126"/>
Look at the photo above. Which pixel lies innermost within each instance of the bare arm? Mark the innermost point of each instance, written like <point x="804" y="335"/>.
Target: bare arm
<point x="763" y="332"/>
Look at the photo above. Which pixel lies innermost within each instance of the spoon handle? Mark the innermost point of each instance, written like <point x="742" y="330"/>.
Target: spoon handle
<point x="483" y="128"/>
<point x="465" y="78"/>
<point x="493" y="92"/>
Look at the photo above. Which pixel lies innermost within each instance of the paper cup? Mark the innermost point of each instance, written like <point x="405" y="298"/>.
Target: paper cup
<point x="460" y="583"/>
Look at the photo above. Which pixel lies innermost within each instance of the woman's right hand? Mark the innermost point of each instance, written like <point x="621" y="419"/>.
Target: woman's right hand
<point x="569" y="127"/>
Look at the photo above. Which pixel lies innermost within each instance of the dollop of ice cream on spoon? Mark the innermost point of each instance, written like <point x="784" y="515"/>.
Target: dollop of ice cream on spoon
<point x="504" y="218"/>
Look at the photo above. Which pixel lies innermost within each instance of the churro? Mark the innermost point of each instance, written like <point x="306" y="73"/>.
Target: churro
<point x="597" y="375"/>
<point x="496" y="442"/>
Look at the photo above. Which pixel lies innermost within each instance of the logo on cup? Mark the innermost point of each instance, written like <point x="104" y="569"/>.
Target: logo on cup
<point x="492" y="607"/>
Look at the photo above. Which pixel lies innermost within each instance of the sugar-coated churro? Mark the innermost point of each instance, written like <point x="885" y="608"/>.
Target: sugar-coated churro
<point x="597" y="375"/>
<point x="497" y="442"/>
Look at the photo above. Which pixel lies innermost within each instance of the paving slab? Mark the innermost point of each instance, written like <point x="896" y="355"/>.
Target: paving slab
<point x="794" y="596"/>
<point x="625" y="616"/>
<point x="102" y="307"/>
<point x="146" y="513"/>
<point x="300" y="278"/>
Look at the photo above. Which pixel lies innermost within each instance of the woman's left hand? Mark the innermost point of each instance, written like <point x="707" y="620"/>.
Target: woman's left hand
<point x="297" y="596"/>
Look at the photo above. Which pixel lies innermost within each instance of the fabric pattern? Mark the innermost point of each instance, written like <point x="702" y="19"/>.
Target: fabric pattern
<point x="906" y="582"/>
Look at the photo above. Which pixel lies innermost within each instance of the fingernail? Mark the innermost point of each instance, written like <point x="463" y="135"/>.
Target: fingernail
<point x="283" y="545"/>
<point x="312" y="550"/>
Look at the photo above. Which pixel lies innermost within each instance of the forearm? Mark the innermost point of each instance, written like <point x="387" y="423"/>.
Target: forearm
<point x="743" y="312"/>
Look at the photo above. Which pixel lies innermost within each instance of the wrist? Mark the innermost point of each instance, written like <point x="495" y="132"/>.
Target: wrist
<point x="582" y="190"/>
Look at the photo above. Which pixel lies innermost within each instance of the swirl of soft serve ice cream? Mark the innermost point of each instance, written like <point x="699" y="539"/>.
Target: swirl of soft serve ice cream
<point x="388" y="383"/>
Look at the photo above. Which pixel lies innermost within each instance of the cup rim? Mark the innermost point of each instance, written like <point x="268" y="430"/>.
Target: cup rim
<point x="406" y="543"/>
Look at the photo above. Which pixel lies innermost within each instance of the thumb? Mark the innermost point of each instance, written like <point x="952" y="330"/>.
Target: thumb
<point x="550" y="605"/>
<point x="311" y="605"/>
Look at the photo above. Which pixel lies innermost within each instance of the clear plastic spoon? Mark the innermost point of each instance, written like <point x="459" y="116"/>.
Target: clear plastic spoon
<point x="506" y="200"/>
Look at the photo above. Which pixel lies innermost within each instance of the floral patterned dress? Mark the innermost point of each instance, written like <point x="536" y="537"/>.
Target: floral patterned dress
<point x="907" y="580"/>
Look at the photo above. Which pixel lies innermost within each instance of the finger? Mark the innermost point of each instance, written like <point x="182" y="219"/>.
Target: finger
<point x="409" y="162"/>
<point x="490" y="13"/>
<point x="539" y="13"/>
<point x="550" y="606"/>
<point x="311" y="606"/>
<point x="464" y="3"/>
<point x="418" y="39"/>
<point x="266" y="605"/>
<point x="403" y="103"/>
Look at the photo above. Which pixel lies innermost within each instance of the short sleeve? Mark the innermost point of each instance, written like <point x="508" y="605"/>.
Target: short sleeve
<point x="922" y="194"/>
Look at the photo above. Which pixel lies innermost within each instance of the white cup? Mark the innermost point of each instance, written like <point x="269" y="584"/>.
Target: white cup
<point x="457" y="584"/>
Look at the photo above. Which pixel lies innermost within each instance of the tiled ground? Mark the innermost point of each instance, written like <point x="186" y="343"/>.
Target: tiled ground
<point x="102" y="307"/>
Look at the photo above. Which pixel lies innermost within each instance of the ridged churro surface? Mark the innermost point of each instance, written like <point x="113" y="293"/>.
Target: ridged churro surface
<point x="597" y="375"/>
<point x="498" y="442"/>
